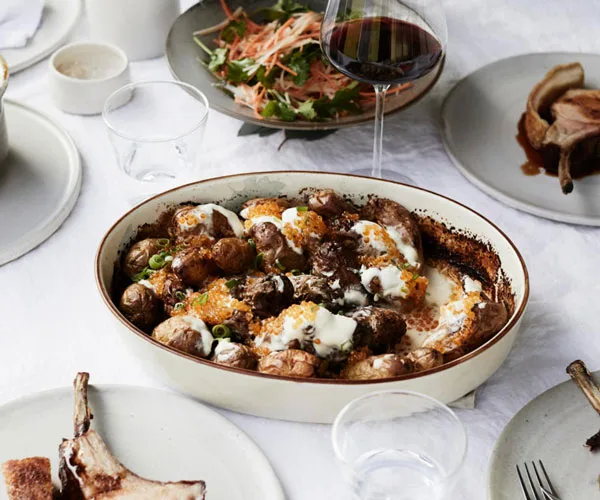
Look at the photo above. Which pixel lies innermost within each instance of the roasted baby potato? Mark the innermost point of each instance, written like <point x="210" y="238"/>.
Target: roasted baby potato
<point x="233" y="255"/>
<point x="378" y="328"/>
<point x="193" y="265"/>
<point x="268" y="295"/>
<point x="425" y="358"/>
<point x="236" y="355"/>
<point x="185" y="333"/>
<point x="327" y="203"/>
<point x="140" y="305"/>
<point x="136" y="259"/>
<point x="290" y="363"/>
<point x="275" y="255"/>
<point x="382" y="366"/>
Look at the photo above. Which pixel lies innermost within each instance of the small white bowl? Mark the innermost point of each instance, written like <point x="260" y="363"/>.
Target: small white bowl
<point x="83" y="74"/>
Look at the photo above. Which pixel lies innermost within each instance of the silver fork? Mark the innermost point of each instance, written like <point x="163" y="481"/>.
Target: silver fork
<point x="539" y="490"/>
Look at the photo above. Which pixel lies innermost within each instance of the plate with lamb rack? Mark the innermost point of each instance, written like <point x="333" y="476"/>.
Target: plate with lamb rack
<point x="526" y="130"/>
<point x="188" y="450"/>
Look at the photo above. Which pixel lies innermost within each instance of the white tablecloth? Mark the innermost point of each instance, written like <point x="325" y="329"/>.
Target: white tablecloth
<point x="53" y="324"/>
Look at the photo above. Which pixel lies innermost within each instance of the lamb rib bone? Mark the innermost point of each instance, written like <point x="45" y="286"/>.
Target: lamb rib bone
<point x="582" y="377"/>
<point x="88" y="470"/>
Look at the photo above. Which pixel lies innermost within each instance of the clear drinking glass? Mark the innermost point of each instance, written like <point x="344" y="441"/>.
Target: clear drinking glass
<point x="156" y="131"/>
<point x="384" y="43"/>
<point x="398" y="445"/>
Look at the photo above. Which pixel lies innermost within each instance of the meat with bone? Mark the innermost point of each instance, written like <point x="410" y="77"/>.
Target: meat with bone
<point x="88" y="470"/>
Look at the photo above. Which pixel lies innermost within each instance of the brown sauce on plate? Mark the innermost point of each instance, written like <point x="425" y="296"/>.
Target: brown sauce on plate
<point x="535" y="163"/>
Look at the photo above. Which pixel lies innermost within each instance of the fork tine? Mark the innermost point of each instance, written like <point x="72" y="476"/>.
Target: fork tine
<point x="533" y="488"/>
<point x="546" y="476"/>
<point x="523" y="487"/>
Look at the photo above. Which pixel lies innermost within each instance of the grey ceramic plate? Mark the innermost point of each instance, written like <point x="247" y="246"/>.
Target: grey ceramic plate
<point x="158" y="434"/>
<point x="183" y="54"/>
<point x="480" y="117"/>
<point x="39" y="180"/>
<point x="552" y="428"/>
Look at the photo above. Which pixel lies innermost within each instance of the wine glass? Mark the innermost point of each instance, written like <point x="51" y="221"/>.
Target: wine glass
<point x="399" y="445"/>
<point x="382" y="43"/>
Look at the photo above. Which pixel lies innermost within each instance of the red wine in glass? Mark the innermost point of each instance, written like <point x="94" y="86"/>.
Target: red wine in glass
<point x="396" y="48"/>
<point x="382" y="50"/>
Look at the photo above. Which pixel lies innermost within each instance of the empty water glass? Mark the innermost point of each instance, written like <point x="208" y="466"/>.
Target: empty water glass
<point x="398" y="445"/>
<point x="156" y="130"/>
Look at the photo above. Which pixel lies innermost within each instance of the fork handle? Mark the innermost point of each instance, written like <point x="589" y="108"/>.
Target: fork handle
<point x="582" y="377"/>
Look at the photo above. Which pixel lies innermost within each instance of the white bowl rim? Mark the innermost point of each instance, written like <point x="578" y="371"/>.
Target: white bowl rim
<point x="91" y="44"/>
<point x="513" y="321"/>
<point x="4" y="74"/>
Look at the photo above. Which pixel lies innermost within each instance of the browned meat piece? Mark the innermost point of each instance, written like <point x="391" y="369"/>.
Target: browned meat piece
<point x="208" y="220"/>
<point x="454" y="338"/>
<point x="401" y="226"/>
<point x="425" y="358"/>
<point x="239" y="324"/>
<point x="172" y="290"/>
<point x="28" y="479"/>
<point x="139" y="254"/>
<point x="378" y="328"/>
<point x="140" y="305"/>
<point x="336" y="260"/>
<point x="268" y="295"/>
<point x="88" y="470"/>
<point x="327" y="203"/>
<point x="276" y="255"/>
<point x="576" y="120"/>
<point x="235" y="355"/>
<point x="315" y="289"/>
<point x="193" y="265"/>
<point x="556" y="82"/>
<point x="382" y="366"/>
<point x="233" y="255"/>
<point x="185" y="333"/>
<point x="290" y="363"/>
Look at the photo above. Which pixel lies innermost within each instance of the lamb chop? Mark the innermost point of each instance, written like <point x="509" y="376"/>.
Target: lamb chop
<point x="88" y="470"/>
<point x="582" y="377"/>
<point x="562" y="121"/>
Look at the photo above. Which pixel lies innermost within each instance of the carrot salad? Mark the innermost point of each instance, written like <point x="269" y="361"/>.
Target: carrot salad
<point x="277" y="68"/>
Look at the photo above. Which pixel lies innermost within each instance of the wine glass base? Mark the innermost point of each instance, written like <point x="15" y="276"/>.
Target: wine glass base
<point x="391" y="175"/>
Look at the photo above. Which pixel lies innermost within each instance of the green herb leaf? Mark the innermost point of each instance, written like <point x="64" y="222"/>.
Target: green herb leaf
<point x="285" y="112"/>
<point x="300" y="60"/>
<point x="270" y="109"/>
<point x="307" y="110"/>
<point x="415" y="277"/>
<point x="282" y="10"/>
<point x="221" y="331"/>
<point x="232" y="283"/>
<point x="237" y="27"/>
<point x="239" y="71"/>
<point x="344" y="100"/>
<point x="252" y="244"/>
<point x="217" y="59"/>
<point x="302" y="209"/>
<point x="265" y="78"/>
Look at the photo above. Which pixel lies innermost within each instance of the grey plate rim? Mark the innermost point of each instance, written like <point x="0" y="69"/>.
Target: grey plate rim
<point x="52" y="224"/>
<point x="486" y="188"/>
<point x="505" y="432"/>
<point x="297" y="125"/>
<point x="46" y="51"/>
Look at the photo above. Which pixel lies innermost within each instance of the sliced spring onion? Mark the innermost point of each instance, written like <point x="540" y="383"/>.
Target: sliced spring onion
<point x="158" y="260"/>
<point x="232" y="283"/>
<point x="258" y="260"/>
<point x="201" y="299"/>
<point x="163" y="242"/>
<point x="143" y="274"/>
<point x="279" y="265"/>
<point x="302" y="209"/>
<point x="179" y="306"/>
<point x="180" y="295"/>
<point x="221" y="331"/>
<point x="296" y="272"/>
<point x="252" y="244"/>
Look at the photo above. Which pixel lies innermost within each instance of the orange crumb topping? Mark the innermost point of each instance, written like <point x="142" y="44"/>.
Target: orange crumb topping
<point x="307" y="225"/>
<point x="263" y="209"/>
<point x="298" y="313"/>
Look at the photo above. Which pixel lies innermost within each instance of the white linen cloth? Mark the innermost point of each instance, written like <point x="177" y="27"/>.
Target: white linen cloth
<point x="53" y="322"/>
<point x="19" y="20"/>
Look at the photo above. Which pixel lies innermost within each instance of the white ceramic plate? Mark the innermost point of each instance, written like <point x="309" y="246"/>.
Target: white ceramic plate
<point x="157" y="434"/>
<point x="552" y="428"/>
<point x="58" y="20"/>
<point x="480" y="117"/>
<point x="39" y="181"/>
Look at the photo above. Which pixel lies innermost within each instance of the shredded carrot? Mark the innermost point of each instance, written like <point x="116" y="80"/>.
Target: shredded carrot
<point x="226" y="9"/>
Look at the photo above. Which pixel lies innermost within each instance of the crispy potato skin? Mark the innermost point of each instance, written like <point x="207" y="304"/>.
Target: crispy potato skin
<point x="327" y="203"/>
<point x="233" y="255"/>
<point x="175" y="332"/>
<point x="378" y="328"/>
<point x="290" y="363"/>
<point x="425" y="358"/>
<point x="138" y="256"/>
<point x="193" y="265"/>
<point x="141" y="306"/>
<point x="236" y="355"/>
<point x="381" y="366"/>
<point x="274" y="248"/>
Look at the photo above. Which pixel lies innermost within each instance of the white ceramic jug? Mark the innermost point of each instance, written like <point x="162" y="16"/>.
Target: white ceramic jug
<point x="139" y="27"/>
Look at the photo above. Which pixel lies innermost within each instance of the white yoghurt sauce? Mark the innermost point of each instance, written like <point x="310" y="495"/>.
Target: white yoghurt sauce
<point x="289" y="216"/>
<point x="204" y="344"/>
<point x="331" y="332"/>
<point x="204" y="214"/>
<point x="390" y="280"/>
<point x="225" y="350"/>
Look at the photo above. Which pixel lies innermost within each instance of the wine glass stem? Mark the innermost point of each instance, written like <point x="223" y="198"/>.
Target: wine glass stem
<point x="380" y="92"/>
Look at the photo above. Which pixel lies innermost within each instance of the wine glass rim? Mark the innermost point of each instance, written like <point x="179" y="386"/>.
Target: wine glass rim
<point x="349" y="406"/>
<point x="193" y="90"/>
